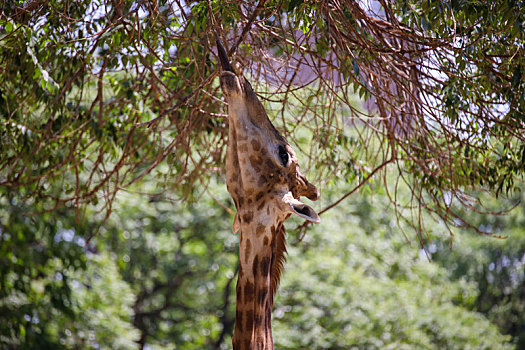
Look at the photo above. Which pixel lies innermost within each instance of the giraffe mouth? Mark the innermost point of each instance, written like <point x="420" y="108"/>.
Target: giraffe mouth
<point x="302" y="210"/>
<point x="230" y="84"/>
<point x="299" y="208"/>
<point x="306" y="212"/>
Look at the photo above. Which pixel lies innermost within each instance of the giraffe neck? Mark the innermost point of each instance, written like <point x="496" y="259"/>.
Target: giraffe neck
<point x="254" y="288"/>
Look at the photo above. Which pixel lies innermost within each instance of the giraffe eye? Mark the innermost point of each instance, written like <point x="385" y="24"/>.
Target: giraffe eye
<point x="283" y="155"/>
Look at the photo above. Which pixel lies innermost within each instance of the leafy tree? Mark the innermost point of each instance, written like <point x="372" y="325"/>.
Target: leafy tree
<point x="161" y="273"/>
<point x="181" y="262"/>
<point x="98" y="94"/>
<point x="38" y="254"/>
<point x="495" y="267"/>
<point x="55" y="292"/>
<point x="102" y="302"/>
<point x="355" y="283"/>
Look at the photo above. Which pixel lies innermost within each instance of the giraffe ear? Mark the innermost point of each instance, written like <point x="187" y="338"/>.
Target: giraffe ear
<point x="299" y="208"/>
<point x="236" y="224"/>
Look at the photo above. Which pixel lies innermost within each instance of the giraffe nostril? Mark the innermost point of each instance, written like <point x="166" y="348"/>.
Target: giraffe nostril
<point x="306" y="189"/>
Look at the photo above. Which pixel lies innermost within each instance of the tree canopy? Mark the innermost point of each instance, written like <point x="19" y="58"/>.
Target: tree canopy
<point x="96" y="94"/>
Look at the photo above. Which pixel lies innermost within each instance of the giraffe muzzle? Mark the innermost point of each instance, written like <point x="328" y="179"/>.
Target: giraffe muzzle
<point x="230" y="84"/>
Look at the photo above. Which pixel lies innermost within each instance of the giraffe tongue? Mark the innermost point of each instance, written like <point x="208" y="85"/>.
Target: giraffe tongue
<point x="223" y="56"/>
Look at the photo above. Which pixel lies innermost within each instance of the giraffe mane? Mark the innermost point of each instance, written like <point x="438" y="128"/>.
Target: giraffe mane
<point x="279" y="258"/>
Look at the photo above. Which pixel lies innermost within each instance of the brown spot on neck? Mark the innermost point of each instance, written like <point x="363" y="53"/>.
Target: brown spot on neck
<point x="260" y="229"/>
<point x="247" y="250"/>
<point x="256" y="145"/>
<point x="247" y="217"/>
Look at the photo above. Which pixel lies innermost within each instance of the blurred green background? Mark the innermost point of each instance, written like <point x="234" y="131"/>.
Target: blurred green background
<point x="160" y="274"/>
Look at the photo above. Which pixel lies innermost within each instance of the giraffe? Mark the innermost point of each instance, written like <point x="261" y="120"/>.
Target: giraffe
<point x="265" y="183"/>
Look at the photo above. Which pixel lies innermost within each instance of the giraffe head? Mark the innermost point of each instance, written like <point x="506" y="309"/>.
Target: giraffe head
<point x="261" y="166"/>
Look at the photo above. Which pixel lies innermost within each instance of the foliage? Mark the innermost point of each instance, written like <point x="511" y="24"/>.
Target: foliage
<point x="355" y="283"/>
<point x="78" y="80"/>
<point x="102" y="305"/>
<point x="54" y="292"/>
<point x="99" y="94"/>
<point x="495" y="267"/>
<point x="39" y="255"/>
<point x="160" y="273"/>
<point x="181" y="263"/>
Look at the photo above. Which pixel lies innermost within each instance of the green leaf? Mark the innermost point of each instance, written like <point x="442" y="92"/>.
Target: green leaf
<point x="355" y="66"/>
<point x="293" y="4"/>
<point x="9" y="27"/>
